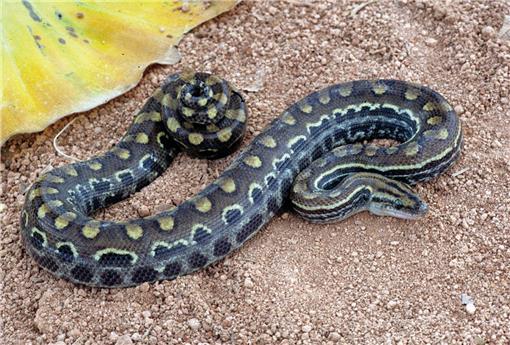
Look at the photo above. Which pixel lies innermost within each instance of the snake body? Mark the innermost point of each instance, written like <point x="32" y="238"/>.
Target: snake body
<point x="197" y="112"/>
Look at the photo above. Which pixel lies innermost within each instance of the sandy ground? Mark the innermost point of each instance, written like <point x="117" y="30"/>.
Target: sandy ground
<point x="367" y="280"/>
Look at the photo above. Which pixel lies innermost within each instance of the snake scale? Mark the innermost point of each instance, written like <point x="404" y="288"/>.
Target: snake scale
<point x="313" y="153"/>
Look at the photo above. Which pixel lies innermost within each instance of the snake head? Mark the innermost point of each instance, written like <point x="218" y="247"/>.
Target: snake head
<point x="396" y="199"/>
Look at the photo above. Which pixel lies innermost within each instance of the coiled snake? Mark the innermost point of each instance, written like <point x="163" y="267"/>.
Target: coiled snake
<point x="203" y="115"/>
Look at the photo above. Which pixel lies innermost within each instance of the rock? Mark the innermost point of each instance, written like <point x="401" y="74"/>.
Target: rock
<point x="470" y="308"/>
<point x="334" y="336"/>
<point x="306" y="328"/>
<point x="143" y="211"/>
<point x="194" y="324"/>
<point x="391" y="304"/>
<point x="459" y="109"/>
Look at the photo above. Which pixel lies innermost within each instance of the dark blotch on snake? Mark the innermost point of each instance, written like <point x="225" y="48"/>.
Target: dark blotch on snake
<point x="110" y="278"/>
<point x="222" y="247"/>
<point x="47" y="263"/>
<point x="82" y="273"/>
<point x="273" y="205"/>
<point x="144" y="274"/>
<point x="37" y="240"/>
<point x="197" y="260"/>
<point x="172" y="269"/>
<point x="249" y="228"/>
<point x="65" y="252"/>
<point x="115" y="260"/>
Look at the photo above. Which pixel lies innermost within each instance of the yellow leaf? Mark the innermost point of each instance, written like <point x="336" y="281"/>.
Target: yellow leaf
<point x="62" y="57"/>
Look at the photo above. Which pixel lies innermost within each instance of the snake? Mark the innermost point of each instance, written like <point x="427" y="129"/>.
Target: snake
<point x="321" y="156"/>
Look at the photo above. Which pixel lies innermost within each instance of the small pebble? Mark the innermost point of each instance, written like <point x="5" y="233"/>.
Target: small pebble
<point x="391" y="304"/>
<point x="488" y="32"/>
<point x="334" y="336"/>
<point x="143" y="211"/>
<point x="194" y="324"/>
<point x="136" y="336"/>
<point x="430" y="41"/>
<point x="248" y="283"/>
<point x="75" y="333"/>
<point x="306" y="328"/>
<point x="124" y="340"/>
<point x="459" y="109"/>
<point x="470" y="308"/>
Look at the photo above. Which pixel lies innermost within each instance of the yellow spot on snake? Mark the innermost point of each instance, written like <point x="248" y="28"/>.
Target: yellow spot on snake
<point x="225" y="134"/>
<point x="63" y="220"/>
<point x="142" y="138"/>
<point x="228" y="185"/>
<point x="289" y="119"/>
<point x="438" y="134"/>
<point x="166" y="223"/>
<point x="324" y="99"/>
<point x="168" y="101"/>
<point x="69" y="170"/>
<point x="202" y="101"/>
<point x="91" y="229"/>
<point x="412" y="149"/>
<point x="429" y="106"/>
<point x="195" y="138"/>
<point x="134" y="231"/>
<point x="173" y="125"/>
<point x="212" y="112"/>
<point x="379" y="89"/>
<point x="203" y="205"/>
<point x="253" y="161"/>
<point x="188" y="112"/>
<point x="212" y="128"/>
<point x="412" y="94"/>
<point x="268" y="141"/>
<point x="158" y="95"/>
<point x="236" y="114"/>
<point x="152" y="116"/>
<point x="122" y="153"/>
<point x="434" y="120"/>
<point x="34" y="193"/>
<point x="306" y="108"/>
<point x="95" y="165"/>
<point x="43" y="209"/>
<point x="54" y="179"/>
<point x="345" y="91"/>
<point x="223" y="99"/>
